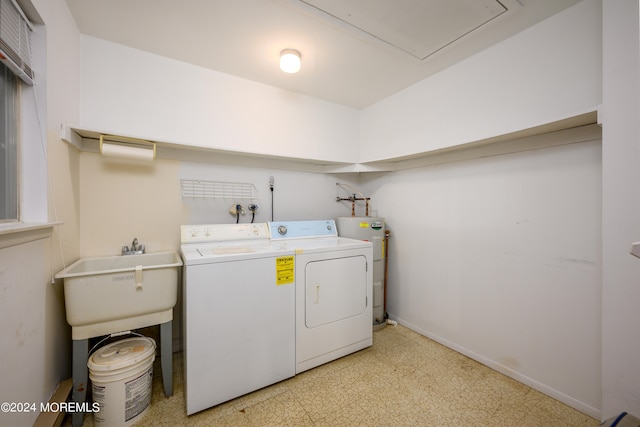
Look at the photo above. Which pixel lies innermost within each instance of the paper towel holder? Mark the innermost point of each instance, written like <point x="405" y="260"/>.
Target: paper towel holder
<point x="127" y="148"/>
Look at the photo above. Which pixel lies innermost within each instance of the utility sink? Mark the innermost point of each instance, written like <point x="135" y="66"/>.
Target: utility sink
<point x="112" y="294"/>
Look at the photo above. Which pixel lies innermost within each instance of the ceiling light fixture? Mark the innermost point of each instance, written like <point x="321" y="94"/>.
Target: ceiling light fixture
<point x="290" y="61"/>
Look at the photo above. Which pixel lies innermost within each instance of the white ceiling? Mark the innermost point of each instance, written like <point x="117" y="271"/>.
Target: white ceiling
<point x="357" y="63"/>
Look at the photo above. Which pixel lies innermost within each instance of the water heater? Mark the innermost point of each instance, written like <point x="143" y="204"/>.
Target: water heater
<point x="371" y="229"/>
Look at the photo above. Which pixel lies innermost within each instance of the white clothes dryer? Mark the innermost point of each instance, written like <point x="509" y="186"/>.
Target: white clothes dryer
<point x="333" y="282"/>
<point x="239" y="312"/>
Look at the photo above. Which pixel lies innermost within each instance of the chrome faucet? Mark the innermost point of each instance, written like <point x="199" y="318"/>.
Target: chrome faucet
<point x="135" y="248"/>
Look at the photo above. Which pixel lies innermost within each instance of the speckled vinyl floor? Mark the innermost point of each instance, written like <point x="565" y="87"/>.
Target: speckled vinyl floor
<point x="404" y="379"/>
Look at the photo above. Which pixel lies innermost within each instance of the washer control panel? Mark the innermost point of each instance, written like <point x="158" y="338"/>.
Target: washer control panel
<point x="223" y="232"/>
<point x="302" y="229"/>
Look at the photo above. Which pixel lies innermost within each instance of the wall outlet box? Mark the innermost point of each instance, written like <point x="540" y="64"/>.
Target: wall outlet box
<point x="635" y="249"/>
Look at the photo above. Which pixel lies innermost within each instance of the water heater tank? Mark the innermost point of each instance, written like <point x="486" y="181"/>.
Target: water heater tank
<point x="371" y="229"/>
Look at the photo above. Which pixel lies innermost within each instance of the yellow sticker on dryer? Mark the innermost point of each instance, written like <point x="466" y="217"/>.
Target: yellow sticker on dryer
<point x="285" y="270"/>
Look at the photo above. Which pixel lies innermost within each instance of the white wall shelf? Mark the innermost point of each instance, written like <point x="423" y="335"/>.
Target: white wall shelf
<point x="577" y="128"/>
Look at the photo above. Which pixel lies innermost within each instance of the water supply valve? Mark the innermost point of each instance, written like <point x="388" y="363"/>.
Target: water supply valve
<point x="253" y="208"/>
<point x="236" y="209"/>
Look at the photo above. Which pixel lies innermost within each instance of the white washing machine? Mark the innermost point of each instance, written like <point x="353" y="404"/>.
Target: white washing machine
<point x="333" y="282"/>
<point x="239" y="312"/>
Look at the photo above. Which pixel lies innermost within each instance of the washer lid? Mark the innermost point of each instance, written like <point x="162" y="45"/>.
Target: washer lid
<point x="122" y="354"/>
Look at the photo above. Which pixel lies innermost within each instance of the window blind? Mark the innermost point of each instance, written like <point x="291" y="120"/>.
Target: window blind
<point x="15" y="40"/>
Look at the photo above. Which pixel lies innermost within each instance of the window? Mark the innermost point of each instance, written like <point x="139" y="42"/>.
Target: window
<point x="8" y="145"/>
<point x="15" y="57"/>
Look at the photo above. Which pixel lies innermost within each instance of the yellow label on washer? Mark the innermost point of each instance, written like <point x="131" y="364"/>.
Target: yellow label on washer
<point x="285" y="271"/>
<point x="364" y="225"/>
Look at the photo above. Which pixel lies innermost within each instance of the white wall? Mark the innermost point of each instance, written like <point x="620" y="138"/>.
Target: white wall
<point x="131" y="92"/>
<point x="548" y="72"/>
<point x="62" y="97"/>
<point x="621" y="208"/>
<point x="121" y="200"/>
<point x="499" y="258"/>
<point x="35" y="339"/>
<point x="296" y="196"/>
<point x="23" y="297"/>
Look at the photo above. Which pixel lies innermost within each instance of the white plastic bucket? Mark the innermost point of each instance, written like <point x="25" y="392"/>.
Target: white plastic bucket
<point x="122" y="374"/>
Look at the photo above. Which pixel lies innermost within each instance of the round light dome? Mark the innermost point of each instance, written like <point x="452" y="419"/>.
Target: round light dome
<point x="290" y="61"/>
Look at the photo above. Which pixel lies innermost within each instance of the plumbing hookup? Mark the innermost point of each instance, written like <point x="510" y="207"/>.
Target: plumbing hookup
<point x="353" y="198"/>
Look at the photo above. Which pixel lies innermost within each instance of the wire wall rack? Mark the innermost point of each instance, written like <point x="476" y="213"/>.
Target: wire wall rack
<point x="199" y="189"/>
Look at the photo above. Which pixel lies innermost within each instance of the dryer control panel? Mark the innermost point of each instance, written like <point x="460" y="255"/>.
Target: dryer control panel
<point x="303" y="229"/>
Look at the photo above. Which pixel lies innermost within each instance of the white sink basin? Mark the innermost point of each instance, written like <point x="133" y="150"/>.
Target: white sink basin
<point x="112" y="294"/>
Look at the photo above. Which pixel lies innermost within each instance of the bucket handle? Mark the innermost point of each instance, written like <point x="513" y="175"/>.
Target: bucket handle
<point x="113" y="335"/>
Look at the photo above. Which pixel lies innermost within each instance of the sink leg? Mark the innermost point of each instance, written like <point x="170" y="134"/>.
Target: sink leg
<point x="166" y="354"/>
<point x="80" y="380"/>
